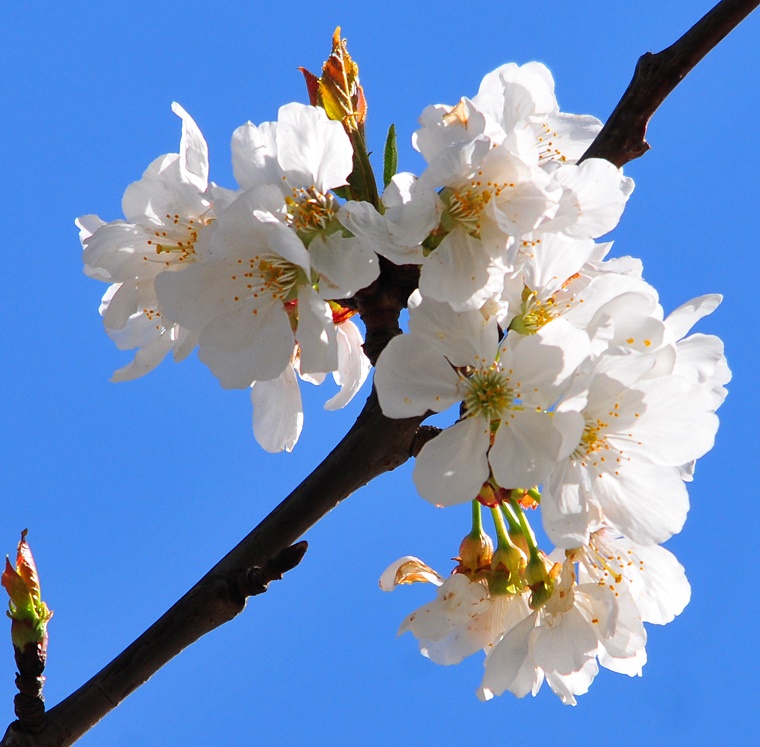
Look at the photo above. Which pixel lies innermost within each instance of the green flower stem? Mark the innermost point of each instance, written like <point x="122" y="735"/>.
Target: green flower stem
<point x="502" y="535"/>
<point x="514" y="523"/>
<point x="525" y="527"/>
<point x="477" y="520"/>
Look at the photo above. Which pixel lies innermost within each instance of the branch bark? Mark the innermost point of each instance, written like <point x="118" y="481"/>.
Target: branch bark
<point x="374" y="445"/>
<point x="623" y="137"/>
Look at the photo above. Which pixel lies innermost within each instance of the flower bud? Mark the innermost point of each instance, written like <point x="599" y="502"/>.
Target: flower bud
<point x="29" y="614"/>
<point x="475" y="553"/>
<point x="540" y="581"/>
<point x="507" y="567"/>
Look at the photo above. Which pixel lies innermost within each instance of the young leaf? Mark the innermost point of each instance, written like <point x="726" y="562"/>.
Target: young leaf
<point x="390" y="157"/>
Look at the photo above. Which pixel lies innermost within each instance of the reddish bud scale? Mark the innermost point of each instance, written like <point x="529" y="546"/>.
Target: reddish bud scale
<point x="29" y="617"/>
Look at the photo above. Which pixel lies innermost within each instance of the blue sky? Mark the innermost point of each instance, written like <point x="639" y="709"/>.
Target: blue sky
<point x="132" y="491"/>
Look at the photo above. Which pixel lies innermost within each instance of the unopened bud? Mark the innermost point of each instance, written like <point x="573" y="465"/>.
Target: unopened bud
<point x="338" y="90"/>
<point x="28" y="613"/>
<point x="540" y="581"/>
<point x="475" y="553"/>
<point x="507" y="567"/>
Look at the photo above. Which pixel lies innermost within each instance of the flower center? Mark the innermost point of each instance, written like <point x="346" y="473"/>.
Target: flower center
<point x="534" y="313"/>
<point x="608" y="563"/>
<point x="488" y="394"/>
<point x="268" y="275"/>
<point x="467" y="204"/>
<point x="592" y="440"/>
<point x="175" y="242"/>
<point x="547" y="146"/>
<point x="310" y="211"/>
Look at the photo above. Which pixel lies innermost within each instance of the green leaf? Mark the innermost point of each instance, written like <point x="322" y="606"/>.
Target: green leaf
<point x="390" y="157"/>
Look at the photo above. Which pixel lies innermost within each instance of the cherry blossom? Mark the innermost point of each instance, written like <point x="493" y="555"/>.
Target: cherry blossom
<point x="505" y="389"/>
<point x="166" y="211"/>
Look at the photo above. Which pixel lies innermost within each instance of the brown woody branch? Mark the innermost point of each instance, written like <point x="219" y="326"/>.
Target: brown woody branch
<point x="622" y="138"/>
<point x="374" y="445"/>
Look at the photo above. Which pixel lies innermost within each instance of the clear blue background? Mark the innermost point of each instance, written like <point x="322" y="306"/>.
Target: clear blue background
<point x="133" y="491"/>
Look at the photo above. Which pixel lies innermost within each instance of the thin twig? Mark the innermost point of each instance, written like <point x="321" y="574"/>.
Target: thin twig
<point x="622" y="138"/>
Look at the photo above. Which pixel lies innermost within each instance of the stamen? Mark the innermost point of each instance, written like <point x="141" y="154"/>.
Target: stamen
<point x="547" y="147"/>
<point x="177" y="244"/>
<point x="310" y="211"/>
<point x="488" y="394"/>
<point x="592" y="440"/>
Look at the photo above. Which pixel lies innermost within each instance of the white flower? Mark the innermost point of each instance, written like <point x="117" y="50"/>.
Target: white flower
<point x="651" y="575"/>
<point x="166" y="211"/>
<point x="305" y="155"/>
<point x="519" y="100"/>
<point x="562" y="640"/>
<point x="505" y="389"/>
<point x="302" y="152"/>
<point x="490" y="196"/>
<point x="554" y="277"/>
<point x="507" y="175"/>
<point x="463" y="619"/>
<point x="580" y="624"/>
<point x="274" y="255"/>
<point x="636" y="434"/>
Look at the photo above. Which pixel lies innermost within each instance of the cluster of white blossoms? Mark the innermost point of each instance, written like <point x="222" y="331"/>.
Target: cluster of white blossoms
<point x="575" y="392"/>
<point x="250" y="276"/>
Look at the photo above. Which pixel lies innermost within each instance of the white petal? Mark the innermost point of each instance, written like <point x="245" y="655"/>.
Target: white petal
<point x="146" y="359"/>
<point x="479" y="632"/>
<point x="193" y="151"/>
<point x="453" y="466"/>
<point x="458" y="600"/>
<point x="254" y="155"/>
<point x="594" y="197"/>
<point x="461" y="272"/>
<point x="565" y="646"/>
<point x="680" y="321"/>
<point x="508" y="666"/>
<point x="567" y="686"/>
<point x="312" y="150"/>
<point x="408" y="570"/>
<point x="564" y="508"/>
<point x="412" y="378"/>
<point x="353" y="365"/>
<point x="345" y="266"/>
<point x="525" y="449"/>
<point x="678" y="423"/>
<point x="541" y="364"/>
<point x="240" y="347"/>
<point x="316" y="333"/>
<point x="464" y="338"/>
<point x="277" y="412"/>
<point x="646" y="502"/>
<point x="658" y="583"/>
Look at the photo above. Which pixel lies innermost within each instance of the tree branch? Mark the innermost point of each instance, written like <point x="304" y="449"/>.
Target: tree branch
<point x="374" y="445"/>
<point x="622" y="138"/>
